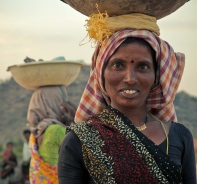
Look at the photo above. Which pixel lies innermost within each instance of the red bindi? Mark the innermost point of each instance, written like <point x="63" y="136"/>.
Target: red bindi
<point x="132" y="61"/>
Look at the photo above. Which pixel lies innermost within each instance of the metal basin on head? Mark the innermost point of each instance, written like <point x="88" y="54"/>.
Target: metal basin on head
<point x="156" y="8"/>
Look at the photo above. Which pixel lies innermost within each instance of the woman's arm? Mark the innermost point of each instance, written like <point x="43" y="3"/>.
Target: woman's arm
<point x="71" y="168"/>
<point x="188" y="160"/>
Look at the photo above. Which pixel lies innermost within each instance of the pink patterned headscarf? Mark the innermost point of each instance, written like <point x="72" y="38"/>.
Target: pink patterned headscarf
<point x="169" y="72"/>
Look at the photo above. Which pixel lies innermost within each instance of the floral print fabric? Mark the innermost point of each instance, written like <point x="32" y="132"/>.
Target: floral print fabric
<point x="114" y="151"/>
<point x="40" y="171"/>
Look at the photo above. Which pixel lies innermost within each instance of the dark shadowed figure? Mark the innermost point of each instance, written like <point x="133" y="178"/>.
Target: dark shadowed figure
<point x="9" y="162"/>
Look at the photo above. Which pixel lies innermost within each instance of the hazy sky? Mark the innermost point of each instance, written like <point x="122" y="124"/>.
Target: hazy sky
<point x="45" y="29"/>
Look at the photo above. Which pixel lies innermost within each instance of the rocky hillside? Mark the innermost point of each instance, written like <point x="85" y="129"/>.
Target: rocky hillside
<point x="14" y="102"/>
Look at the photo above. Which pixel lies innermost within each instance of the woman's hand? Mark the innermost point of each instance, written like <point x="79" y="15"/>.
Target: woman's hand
<point x="68" y="110"/>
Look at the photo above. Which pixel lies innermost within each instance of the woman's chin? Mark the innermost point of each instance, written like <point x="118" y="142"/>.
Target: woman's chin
<point x="126" y="104"/>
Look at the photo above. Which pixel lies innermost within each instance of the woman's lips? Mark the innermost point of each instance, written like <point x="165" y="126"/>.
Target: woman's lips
<point x="129" y="93"/>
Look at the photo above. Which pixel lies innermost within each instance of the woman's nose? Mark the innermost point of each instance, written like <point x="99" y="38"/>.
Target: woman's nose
<point x="130" y="76"/>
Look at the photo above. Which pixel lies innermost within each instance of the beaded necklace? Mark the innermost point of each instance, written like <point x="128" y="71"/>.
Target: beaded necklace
<point x="143" y="127"/>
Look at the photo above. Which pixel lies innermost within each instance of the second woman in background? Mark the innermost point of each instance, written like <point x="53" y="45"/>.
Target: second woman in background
<point x="47" y="121"/>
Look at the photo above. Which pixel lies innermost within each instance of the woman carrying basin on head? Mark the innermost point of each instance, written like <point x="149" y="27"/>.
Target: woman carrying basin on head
<point x="127" y="130"/>
<point x="47" y="124"/>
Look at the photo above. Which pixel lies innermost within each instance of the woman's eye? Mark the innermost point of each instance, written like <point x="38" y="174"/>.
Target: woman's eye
<point x="143" y="67"/>
<point x="117" y="65"/>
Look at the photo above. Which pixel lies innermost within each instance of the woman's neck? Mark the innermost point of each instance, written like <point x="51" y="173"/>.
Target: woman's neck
<point x="136" y="115"/>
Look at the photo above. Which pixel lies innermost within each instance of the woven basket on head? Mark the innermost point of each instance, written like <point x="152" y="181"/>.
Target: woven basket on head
<point x="33" y="75"/>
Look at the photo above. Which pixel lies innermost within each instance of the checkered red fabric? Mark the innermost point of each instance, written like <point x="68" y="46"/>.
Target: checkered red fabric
<point x="169" y="73"/>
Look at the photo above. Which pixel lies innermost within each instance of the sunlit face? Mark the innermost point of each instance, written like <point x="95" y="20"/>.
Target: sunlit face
<point x="129" y="76"/>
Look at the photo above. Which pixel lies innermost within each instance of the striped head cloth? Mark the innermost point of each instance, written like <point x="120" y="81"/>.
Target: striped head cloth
<point x="170" y="67"/>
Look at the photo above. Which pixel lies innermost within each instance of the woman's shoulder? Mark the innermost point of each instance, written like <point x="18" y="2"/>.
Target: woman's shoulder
<point x="181" y="130"/>
<point x="180" y="127"/>
<point x="71" y="136"/>
<point x="71" y="142"/>
<point x="55" y="127"/>
<point x="81" y="132"/>
<point x="79" y="128"/>
<point x="54" y="132"/>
